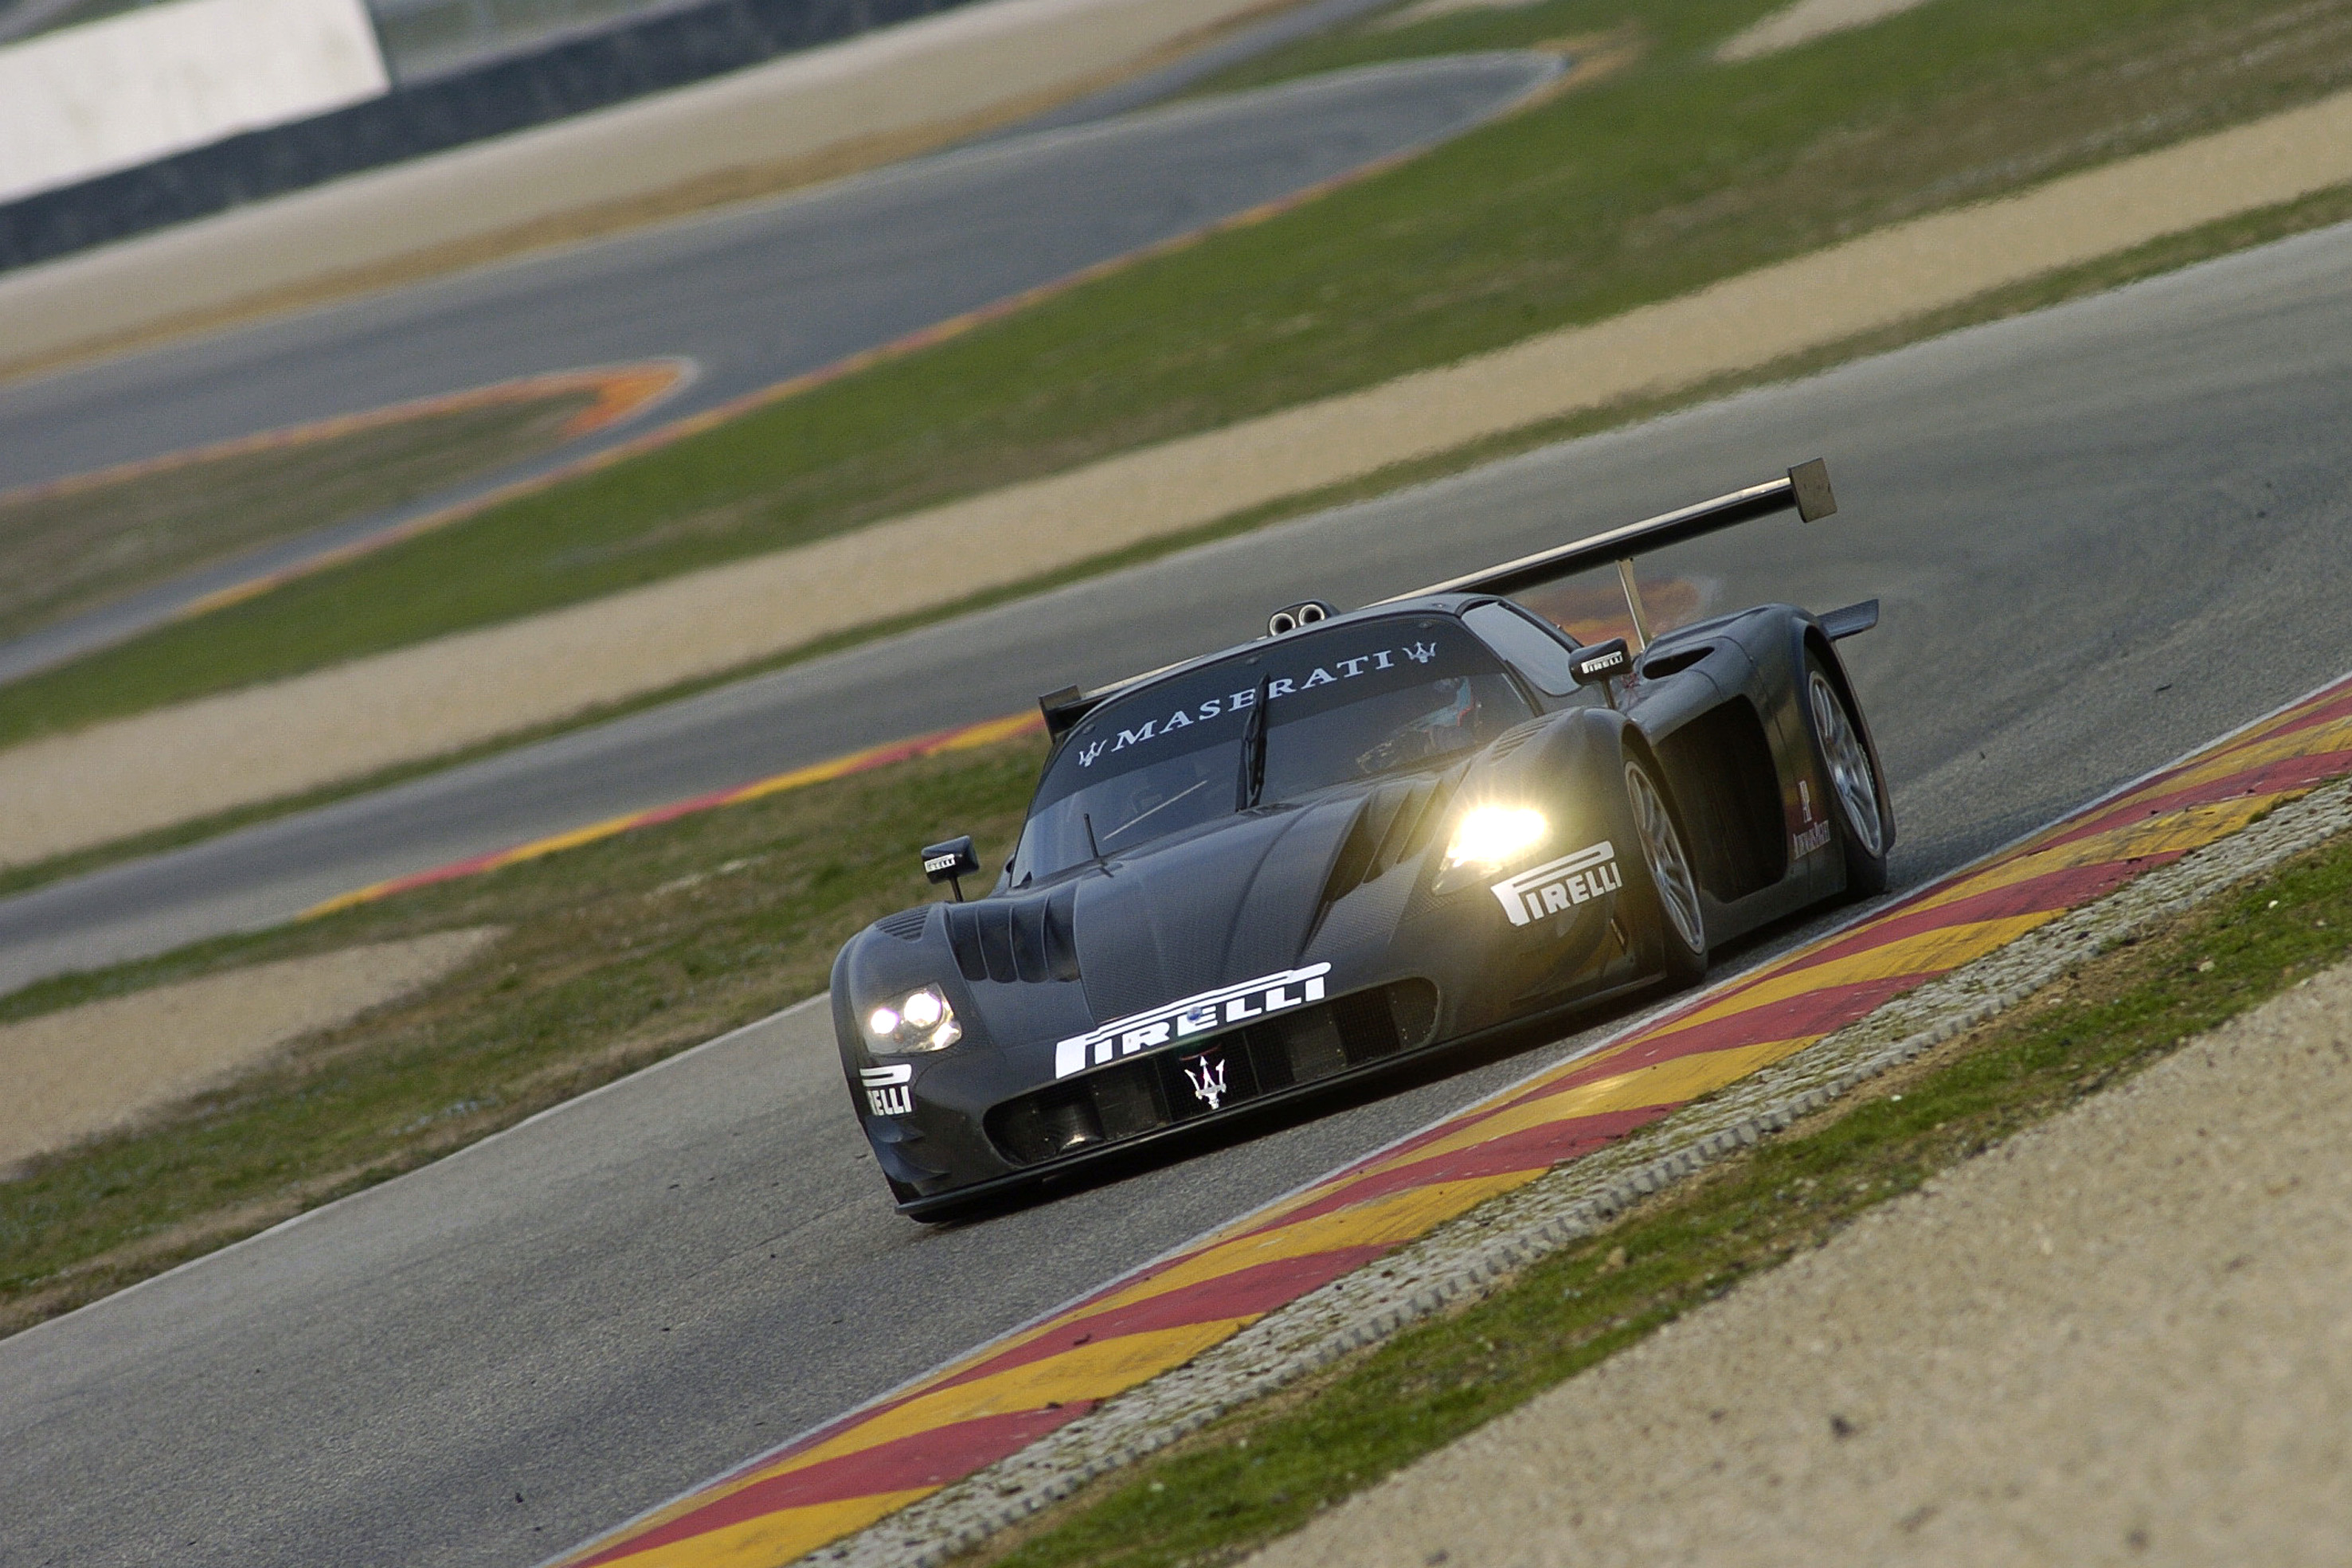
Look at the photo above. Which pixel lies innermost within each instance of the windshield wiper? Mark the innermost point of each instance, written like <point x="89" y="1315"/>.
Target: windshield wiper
<point x="1253" y="778"/>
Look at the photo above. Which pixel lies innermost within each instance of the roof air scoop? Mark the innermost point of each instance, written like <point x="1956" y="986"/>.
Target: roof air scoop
<point x="1291" y="617"/>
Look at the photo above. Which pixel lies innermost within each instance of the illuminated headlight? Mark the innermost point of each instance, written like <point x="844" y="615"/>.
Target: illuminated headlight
<point x="1489" y="838"/>
<point x="921" y="1020"/>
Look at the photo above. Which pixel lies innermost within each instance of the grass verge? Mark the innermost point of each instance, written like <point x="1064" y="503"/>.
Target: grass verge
<point x="1267" y="1470"/>
<point x="2149" y="260"/>
<point x="1669" y="174"/>
<point x="616" y="954"/>
<point x="73" y="546"/>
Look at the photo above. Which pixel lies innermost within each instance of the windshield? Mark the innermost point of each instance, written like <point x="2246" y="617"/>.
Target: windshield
<point x="1349" y="702"/>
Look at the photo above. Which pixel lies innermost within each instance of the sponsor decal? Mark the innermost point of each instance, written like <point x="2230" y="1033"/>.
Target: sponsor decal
<point x="1595" y="666"/>
<point x="939" y="863"/>
<point x="1810" y="834"/>
<point x="1559" y="885"/>
<point x="1207" y="1076"/>
<point x="1220" y="1008"/>
<point x="887" y="1090"/>
<point x="1332" y="674"/>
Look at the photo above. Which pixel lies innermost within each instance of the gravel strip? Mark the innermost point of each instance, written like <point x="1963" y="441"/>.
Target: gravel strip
<point x="1472" y="1256"/>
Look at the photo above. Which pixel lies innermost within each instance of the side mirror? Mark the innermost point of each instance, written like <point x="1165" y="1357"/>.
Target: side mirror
<point x="1601" y="664"/>
<point x="950" y="862"/>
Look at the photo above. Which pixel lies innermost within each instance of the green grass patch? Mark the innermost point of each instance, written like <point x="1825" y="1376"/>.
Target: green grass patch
<point x="616" y="954"/>
<point x="68" y="548"/>
<point x="1669" y="174"/>
<point x="1267" y="1470"/>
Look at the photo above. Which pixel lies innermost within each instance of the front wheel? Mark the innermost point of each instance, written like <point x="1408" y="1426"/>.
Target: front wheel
<point x="1854" y="784"/>
<point x="1674" y="889"/>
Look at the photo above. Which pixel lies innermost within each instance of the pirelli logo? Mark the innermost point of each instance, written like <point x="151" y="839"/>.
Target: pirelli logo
<point x="1220" y="1008"/>
<point x="1559" y="885"/>
<point x="886" y="1091"/>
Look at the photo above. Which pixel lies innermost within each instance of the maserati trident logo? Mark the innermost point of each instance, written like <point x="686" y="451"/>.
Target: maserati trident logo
<point x="1207" y="1077"/>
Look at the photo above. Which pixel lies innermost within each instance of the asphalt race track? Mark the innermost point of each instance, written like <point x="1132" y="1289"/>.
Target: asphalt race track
<point x="2102" y="534"/>
<point x="752" y="294"/>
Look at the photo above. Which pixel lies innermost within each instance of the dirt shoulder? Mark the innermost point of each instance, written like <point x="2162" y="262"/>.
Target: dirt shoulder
<point x="1804" y="21"/>
<point x="93" y="1068"/>
<point x="267" y="742"/>
<point x="2119" y="1336"/>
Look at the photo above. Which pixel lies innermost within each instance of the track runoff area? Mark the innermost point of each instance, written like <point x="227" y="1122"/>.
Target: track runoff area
<point x="950" y="1423"/>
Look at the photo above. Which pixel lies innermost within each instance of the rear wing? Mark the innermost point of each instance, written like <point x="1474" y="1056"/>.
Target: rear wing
<point x="1805" y="490"/>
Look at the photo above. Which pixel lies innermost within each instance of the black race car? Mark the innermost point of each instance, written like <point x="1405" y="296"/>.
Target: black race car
<point x="1363" y="836"/>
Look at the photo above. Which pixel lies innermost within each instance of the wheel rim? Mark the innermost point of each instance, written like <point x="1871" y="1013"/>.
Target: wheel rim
<point x="1849" y="765"/>
<point x="1662" y="849"/>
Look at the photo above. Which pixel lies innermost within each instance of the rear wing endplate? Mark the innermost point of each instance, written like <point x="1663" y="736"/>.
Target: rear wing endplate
<point x="1850" y="621"/>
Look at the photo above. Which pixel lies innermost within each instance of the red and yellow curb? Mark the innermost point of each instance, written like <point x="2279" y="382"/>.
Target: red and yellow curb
<point x="618" y="393"/>
<point x="963" y="737"/>
<point x="945" y="1425"/>
<point x="614" y="392"/>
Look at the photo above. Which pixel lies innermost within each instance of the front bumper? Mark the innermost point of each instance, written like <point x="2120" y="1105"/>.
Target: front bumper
<point x="981" y="1124"/>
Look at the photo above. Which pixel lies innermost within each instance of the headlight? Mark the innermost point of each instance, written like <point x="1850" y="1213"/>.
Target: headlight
<point x="1489" y="838"/>
<point x="921" y="1020"/>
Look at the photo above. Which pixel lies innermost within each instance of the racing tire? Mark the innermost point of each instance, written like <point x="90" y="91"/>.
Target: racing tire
<point x="1675" y="913"/>
<point x="1853" y="803"/>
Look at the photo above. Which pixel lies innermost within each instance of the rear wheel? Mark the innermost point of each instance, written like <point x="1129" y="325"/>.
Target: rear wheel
<point x="1853" y="783"/>
<point x="1674" y="888"/>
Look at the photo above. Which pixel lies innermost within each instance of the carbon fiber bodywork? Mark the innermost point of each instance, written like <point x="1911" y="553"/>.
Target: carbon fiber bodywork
<point x="1276" y="949"/>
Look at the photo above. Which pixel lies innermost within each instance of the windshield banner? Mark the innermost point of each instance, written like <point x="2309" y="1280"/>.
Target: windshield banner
<point x="1427" y="654"/>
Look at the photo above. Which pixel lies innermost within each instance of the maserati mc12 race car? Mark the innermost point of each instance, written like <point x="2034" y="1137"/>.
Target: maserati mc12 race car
<point x="1361" y="837"/>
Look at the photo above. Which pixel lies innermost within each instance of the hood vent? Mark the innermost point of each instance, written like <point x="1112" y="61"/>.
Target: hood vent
<point x="1006" y="939"/>
<point x="907" y="925"/>
<point x="1394" y="824"/>
<point x="1511" y="739"/>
